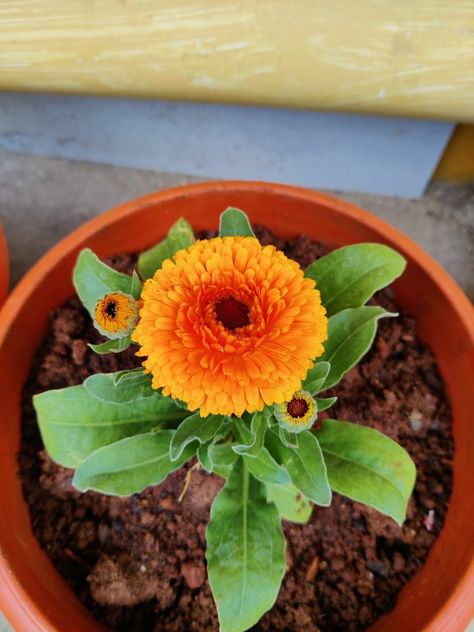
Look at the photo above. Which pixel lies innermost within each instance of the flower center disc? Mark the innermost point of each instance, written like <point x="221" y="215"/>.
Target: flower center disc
<point x="231" y="313"/>
<point x="111" y="309"/>
<point x="297" y="408"/>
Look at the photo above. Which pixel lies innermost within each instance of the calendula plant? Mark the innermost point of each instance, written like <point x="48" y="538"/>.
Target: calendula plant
<point x="238" y="345"/>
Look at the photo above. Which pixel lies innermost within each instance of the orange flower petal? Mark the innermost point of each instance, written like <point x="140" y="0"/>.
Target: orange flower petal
<point x="229" y="325"/>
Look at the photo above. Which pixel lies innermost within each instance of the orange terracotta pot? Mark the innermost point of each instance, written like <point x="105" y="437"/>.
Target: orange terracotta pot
<point x="441" y="597"/>
<point x="4" y="268"/>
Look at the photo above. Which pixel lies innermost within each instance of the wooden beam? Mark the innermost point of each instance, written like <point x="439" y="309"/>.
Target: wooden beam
<point x="401" y="57"/>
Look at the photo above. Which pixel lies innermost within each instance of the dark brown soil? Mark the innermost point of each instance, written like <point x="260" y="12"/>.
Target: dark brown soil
<point x="138" y="563"/>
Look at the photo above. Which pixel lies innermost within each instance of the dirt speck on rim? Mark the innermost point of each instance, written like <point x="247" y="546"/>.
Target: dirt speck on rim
<point x="138" y="563"/>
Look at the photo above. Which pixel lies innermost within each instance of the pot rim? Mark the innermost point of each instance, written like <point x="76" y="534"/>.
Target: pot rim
<point x="445" y="282"/>
<point x="463" y="592"/>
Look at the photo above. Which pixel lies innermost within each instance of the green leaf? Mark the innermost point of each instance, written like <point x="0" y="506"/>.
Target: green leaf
<point x="289" y="439"/>
<point x="292" y="505"/>
<point x="315" y="378"/>
<point x="264" y="467"/>
<point x="120" y="387"/>
<point x="367" y="466"/>
<point x="93" y="279"/>
<point x="245" y="551"/>
<point x="180" y="236"/>
<point x="130" y="465"/>
<point x="349" y="276"/>
<point x="217" y="458"/>
<point x="76" y="421"/>
<point x="323" y="403"/>
<point x="252" y="438"/>
<point x="194" y="428"/>
<point x="234" y="222"/>
<point x="136" y="286"/>
<point x="116" y="345"/>
<point x="204" y="458"/>
<point x="350" y="335"/>
<point x="305" y="465"/>
<point x="135" y="377"/>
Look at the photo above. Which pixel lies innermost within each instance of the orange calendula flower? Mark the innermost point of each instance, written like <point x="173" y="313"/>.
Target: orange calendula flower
<point x="115" y="314"/>
<point x="298" y="414"/>
<point x="230" y="325"/>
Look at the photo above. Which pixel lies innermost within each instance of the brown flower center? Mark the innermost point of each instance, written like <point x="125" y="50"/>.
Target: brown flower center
<point x="231" y="313"/>
<point x="297" y="408"/>
<point x="111" y="309"/>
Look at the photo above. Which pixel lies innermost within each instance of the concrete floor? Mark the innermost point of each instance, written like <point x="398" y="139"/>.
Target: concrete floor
<point x="43" y="199"/>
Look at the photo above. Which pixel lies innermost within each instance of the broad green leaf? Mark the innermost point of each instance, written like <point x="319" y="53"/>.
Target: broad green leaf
<point x="349" y="276"/>
<point x="245" y="551"/>
<point x="234" y="222"/>
<point x="130" y="465"/>
<point x="323" y="403"/>
<point x="292" y="505"/>
<point x="115" y="345"/>
<point x="194" y="428"/>
<point x="264" y="467"/>
<point x="289" y="439"/>
<point x="93" y="279"/>
<point x="74" y="422"/>
<point x="367" y="466"/>
<point x="252" y="439"/>
<point x="305" y="465"/>
<point x="315" y="378"/>
<point x="350" y="335"/>
<point x="180" y="236"/>
<point x="120" y="387"/>
<point x="217" y="458"/>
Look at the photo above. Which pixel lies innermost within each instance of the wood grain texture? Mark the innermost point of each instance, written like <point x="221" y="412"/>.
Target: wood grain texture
<point x="405" y="57"/>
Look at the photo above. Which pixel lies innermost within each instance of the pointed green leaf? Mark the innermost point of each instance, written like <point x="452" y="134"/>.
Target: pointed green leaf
<point x="120" y="387"/>
<point x="305" y="465"/>
<point x="115" y="345"/>
<point x="323" y="403"/>
<point x="75" y="421"/>
<point x="180" y="236"/>
<point x="315" y="378"/>
<point x="136" y="286"/>
<point x="130" y="465"/>
<point x="128" y="377"/>
<point x="217" y="458"/>
<point x="350" y="335"/>
<point x="264" y="467"/>
<point x="252" y="438"/>
<point x="93" y="279"/>
<point x="367" y="466"/>
<point x="349" y="276"/>
<point x="292" y="505"/>
<point x="289" y="439"/>
<point x="234" y="222"/>
<point x="245" y="551"/>
<point x="194" y="428"/>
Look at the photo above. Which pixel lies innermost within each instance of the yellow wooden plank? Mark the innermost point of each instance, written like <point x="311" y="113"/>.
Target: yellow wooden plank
<point x="457" y="162"/>
<point x="408" y="57"/>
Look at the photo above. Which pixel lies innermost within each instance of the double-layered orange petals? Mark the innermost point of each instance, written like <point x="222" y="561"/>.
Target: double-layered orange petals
<point x="230" y="325"/>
